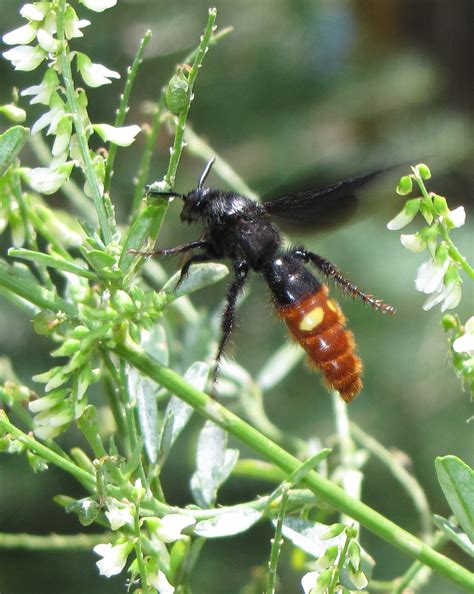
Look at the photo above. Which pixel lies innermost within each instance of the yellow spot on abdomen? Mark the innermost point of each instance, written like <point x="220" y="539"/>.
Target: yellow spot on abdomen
<point x="332" y="305"/>
<point x="312" y="319"/>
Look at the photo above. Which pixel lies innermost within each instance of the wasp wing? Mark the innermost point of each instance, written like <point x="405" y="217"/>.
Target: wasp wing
<point x="314" y="210"/>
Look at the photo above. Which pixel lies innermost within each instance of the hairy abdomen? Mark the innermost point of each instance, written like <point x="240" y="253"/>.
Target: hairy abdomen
<point x="319" y="326"/>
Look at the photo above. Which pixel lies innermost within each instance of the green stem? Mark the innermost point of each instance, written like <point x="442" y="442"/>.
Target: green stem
<point x="52" y="542"/>
<point x="408" y="481"/>
<point x="30" y="442"/>
<point x="91" y="177"/>
<point x="178" y="144"/>
<point x="29" y="237"/>
<point x="339" y="566"/>
<point x="323" y="488"/>
<point x="123" y="107"/>
<point x="138" y="550"/>
<point x="277" y="543"/>
<point x="456" y="254"/>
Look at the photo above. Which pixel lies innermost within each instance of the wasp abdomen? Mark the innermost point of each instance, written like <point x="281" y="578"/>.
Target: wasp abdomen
<point x="318" y="324"/>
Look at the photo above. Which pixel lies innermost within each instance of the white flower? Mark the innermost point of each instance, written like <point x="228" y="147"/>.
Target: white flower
<point x="51" y="118"/>
<point x="113" y="559"/>
<point x="63" y="136"/>
<point x="25" y="57"/>
<point x="119" y="515"/>
<point x="449" y="295"/>
<point x="414" y="243"/>
<point x="457" y="216"/>
<point x="47" y="181"/>
<point x="21" y="36"/>
<point x="42" y="92"/>
<point x="308" y="582"/>
<point x="465" y="343"/>
<point x="36" y="11"/>
<point x="53" y="413"/>
<point x="430" y="275"/>
<point x="171" y="527"/>
<point x="73" y="28"/>
<point x="161" y="583"/>
<point x="98" y="5"/>
<point x="123" y="136"/>
<point x="94" y="75"/>
<point x="47" y="41"/>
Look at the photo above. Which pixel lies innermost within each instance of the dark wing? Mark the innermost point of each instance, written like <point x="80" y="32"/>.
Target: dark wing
<point x="313" y="210"/>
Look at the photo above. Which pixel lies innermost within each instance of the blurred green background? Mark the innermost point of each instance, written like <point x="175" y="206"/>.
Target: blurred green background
<point x="320" y="88"/>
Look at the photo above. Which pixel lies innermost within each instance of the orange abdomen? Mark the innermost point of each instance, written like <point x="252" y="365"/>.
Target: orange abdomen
<point x="319" y="326"/>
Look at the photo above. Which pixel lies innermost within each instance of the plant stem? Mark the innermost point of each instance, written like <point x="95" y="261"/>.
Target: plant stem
<point x="32" y="444"/>
<point x="323" y="488"/>
<point x="52" y="542"/>
<point x="91" y="177"/>
<point x="123" y="107"/>
<point x="277" y="543"/>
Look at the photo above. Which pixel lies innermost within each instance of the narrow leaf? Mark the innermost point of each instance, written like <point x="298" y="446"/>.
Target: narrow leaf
<point x="144" y="390"/>
<point x="457" y="481"/>
<point x="228" y="523"/>
<point x="455" y="534"/>
<point x="214" y="464"/>
<point x="306" y="535"/>
<point x="11" y="143"/>
<point x="51" y="261"/>
<point x="177" y="412"/>
<point x="199" y="276"/>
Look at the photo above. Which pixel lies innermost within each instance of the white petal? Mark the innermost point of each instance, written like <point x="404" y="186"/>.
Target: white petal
<point x="47" y="41"/>
<point x="21" y="36"/>
<point x="464" y="344"/>
<point x="73" y="28"/>
<point x="50" y="118"/>
<point x="119" y="516"/>
<point x="96" y="75"/>
<point x="25" y="57"/>
<point x="308" y="581"/>
<point x="114" y="558"/>
<point x="469" y="325"/>
<point x="429" y="277"/>
<point x="412" y="242"/>
<point x="161" y="583"/>
<point x="458" y="216"/>
<point x="35" y="12"/>
<point x="45" y="181"/>
<point x="172" y="525"/>
<point x="452" y="297"/>
<point x="99" y="5"/>
<point x="401" y="220"/>
<point x="121" y="136"/>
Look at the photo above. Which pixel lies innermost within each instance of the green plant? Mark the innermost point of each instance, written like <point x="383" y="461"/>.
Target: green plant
<point x="113" y="329"/>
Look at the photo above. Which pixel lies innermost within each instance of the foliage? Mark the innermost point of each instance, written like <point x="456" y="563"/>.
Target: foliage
<point x="113" y="330"/>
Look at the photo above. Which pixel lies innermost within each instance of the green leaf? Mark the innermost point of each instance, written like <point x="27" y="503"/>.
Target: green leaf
<point x="51" y="261"/>
<point x="21" y="284"/>
<point x="454" y="534"/>
<point x="144" y="227"/>
<point x="198" y="277"/>
<point x="11" y="143"/>
<point x="99" y="259"/>
<point x="457" y="481"/>
<point x="228" y="523"/>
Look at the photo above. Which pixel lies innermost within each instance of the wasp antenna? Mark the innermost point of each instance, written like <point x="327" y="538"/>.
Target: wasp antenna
<point x="150" y="192"/>
<point x="205" y="172"/>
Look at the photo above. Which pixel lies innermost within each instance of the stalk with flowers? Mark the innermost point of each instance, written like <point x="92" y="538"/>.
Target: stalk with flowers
<point x="108" y="323"/>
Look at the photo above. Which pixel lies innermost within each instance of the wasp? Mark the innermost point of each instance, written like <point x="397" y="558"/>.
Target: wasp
<point x="243" y="231"/>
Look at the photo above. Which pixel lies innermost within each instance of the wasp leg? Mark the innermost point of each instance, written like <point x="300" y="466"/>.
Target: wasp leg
<point x="241" y="270"/>
<point x="196" y="259"/>
<point x="179" y="249"/>
<point x="329" y="269"/>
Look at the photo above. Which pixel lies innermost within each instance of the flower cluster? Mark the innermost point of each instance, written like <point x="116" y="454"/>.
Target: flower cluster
<point x="44" y="38"/>
<point x="439" y="276"/>
<point x="167" y="529"/>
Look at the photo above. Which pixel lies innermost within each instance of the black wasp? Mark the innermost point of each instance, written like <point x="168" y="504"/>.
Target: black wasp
<point x="241" y="230"/>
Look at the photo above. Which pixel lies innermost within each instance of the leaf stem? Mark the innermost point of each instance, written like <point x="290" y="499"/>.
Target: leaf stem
<point x="91" y="177"/>
<point x="123" y="107"/>
<point x="323" y="488"/>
